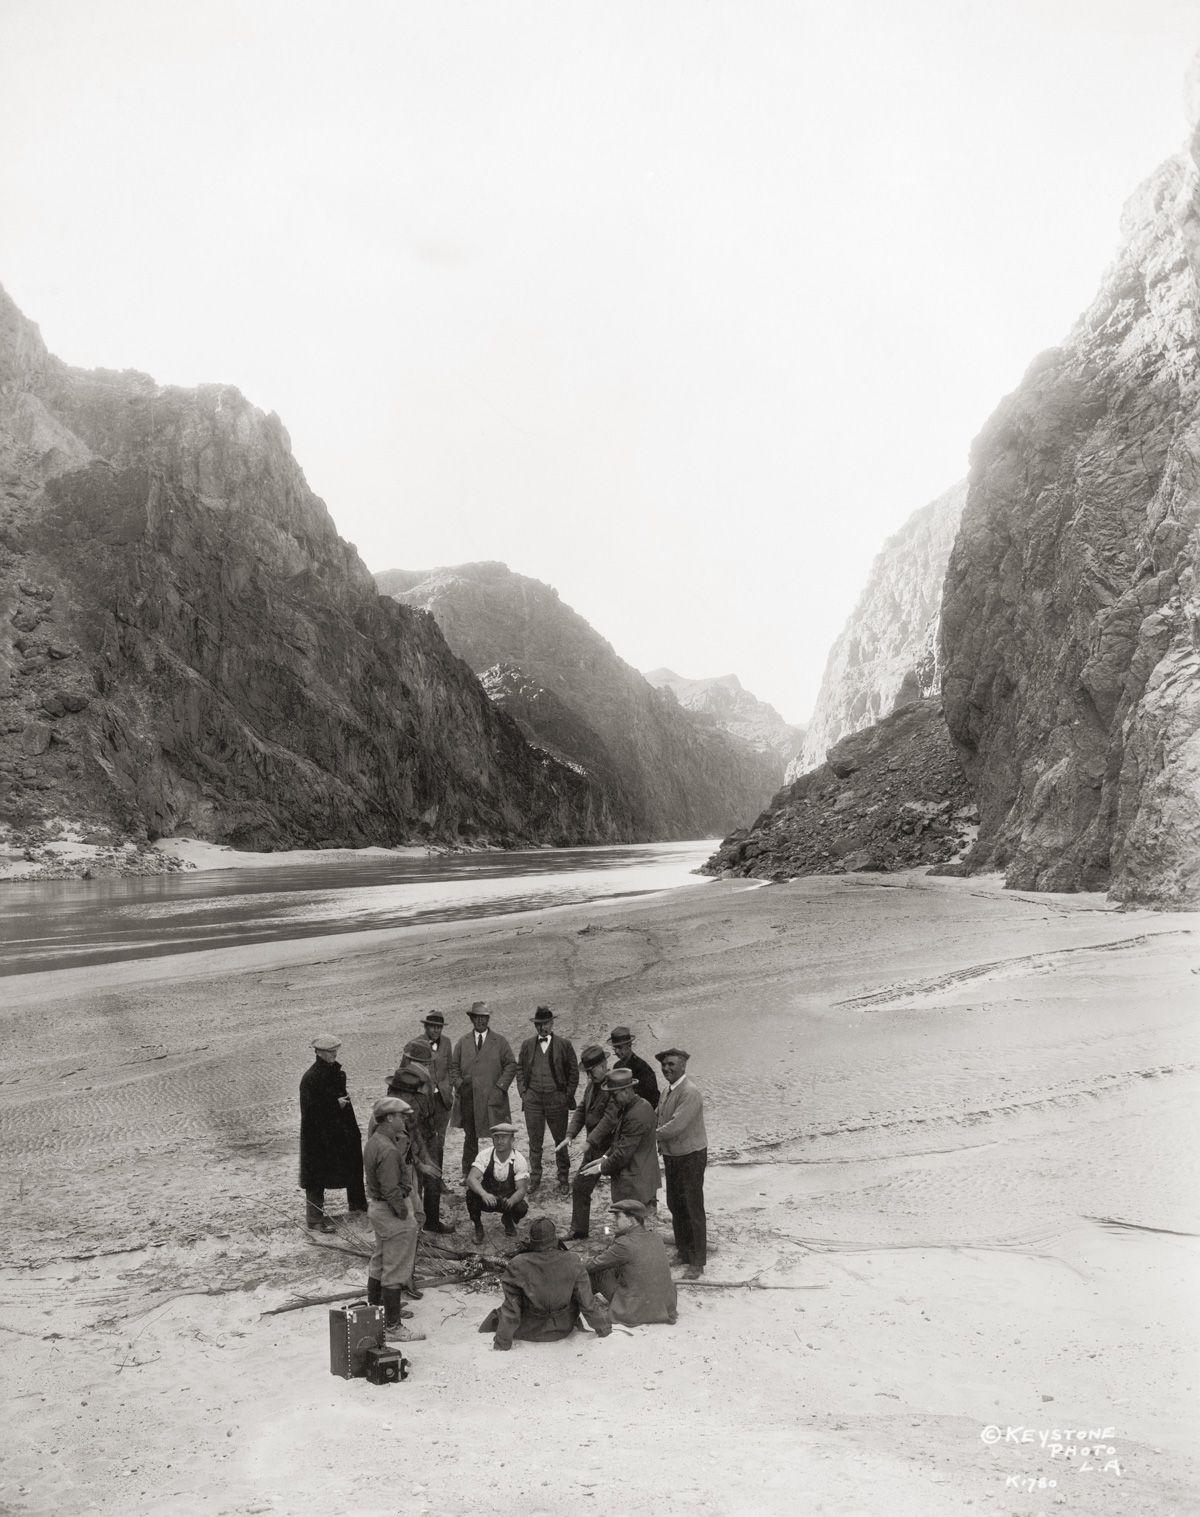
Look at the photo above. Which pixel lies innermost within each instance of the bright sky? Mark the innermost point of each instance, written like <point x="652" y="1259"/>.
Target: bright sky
<point x="680" y="306"/>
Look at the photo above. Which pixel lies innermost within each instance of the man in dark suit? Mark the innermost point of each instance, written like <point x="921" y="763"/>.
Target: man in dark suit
<point x="625" y="1135"/>
<point x="547" y="1077"/>
<point x="331" y="1154"/>
<point x="624" y="1057"/>
<point x="481" y="1070"/>
<point x="439" y="1074"/>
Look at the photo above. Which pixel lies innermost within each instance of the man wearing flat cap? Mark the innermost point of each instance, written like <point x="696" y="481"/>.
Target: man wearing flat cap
<point x="632" y="1273"/>
<point x="586" y="1118"/>
<point x="481" y="1070"/>
<point x="624" y="1057"/>
<point x="625" y="1137"/>
<point x="389" y="1192"/>
<point x="683" y="1143"/>
<point x="498" y="1181"/>
<point x="547" y="1076"/>
<point x="331" y="1155"/>
<point x="545" y="1287"/>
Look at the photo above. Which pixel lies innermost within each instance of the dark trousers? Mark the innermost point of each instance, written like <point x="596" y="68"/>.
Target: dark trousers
<point x="314" y="1197"/>
<point x="470" y="1137"/>
<point x="431" y="1197"/>
<point x="546" y="1109"/>
<point x="441" y="1121"/>
<point x="582" y="1187"/>
<point x="685" y="1198"/>
<point x="510" y="1218"/>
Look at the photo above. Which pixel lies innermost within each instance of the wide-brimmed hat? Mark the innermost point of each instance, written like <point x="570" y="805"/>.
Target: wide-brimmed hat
<point x="479" y="1009"/>
<point x="543" y="1014"/>
<point x="419" y="1049"/>
<point x="592" y="1055"/>
<point x="325" y="1042"/>
<point x="435" y="1017"/>
<point x="618" y="1079"/>
<point x="413" y="1079"/>
<point x="620" y="1034"/>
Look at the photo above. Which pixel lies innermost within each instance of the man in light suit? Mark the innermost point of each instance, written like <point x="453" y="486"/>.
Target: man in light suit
<point x="481" y="1070"/>
<point x="683" y="1144"/>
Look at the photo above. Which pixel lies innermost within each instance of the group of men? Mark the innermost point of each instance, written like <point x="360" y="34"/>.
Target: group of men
<point x="626" y="1123"/>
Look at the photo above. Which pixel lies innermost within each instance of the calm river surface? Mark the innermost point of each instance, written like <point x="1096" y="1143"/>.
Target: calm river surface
<point x="55" y="924"/>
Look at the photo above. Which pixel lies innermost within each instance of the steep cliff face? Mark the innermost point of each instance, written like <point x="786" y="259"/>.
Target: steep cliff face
<point x="1071" y="616"/>
<point x="186" y="644"/>
<point x="891" y="796"/>
<point x="887" y="653"/>
<point x="735" y="710"/>
<point x="664" y="772"/>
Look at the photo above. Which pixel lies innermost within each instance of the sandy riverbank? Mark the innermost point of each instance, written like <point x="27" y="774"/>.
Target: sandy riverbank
<point x="956" y="1185"/>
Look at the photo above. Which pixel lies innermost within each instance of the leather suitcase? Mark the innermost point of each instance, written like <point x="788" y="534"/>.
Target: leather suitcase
<point x="353" y="1330"/>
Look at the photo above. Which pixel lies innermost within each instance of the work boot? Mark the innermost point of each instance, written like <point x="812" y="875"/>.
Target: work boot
<point x="411" y="1291"/>
<point x="693" y="1272"/>
<point x="510" y="1227"/>
<point x="393" y="1306"/>
<point x="374" y="1291"/>
<point x="441" y="1228"/>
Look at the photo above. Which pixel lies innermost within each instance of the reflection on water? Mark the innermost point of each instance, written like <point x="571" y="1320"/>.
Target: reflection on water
<point x="52" y="924"/>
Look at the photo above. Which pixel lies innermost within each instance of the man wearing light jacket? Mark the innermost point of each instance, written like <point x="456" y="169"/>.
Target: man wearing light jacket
<point x="683" y="1143"/>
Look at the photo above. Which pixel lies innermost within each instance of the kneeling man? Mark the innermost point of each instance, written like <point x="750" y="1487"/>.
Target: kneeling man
<point x="633" y="1273"/>
<point x="498" y="1181"/>
<point x="545" y="1287"/>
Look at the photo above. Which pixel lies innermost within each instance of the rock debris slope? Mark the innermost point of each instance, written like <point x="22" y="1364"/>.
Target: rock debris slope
<point x="735" y="709"/>
<point x="892" y="796"/>
<point x="663" y="772"/>
<point x="187" y="645"/>
<point x="1071" y="616"/>
<point x="887" y="653"/>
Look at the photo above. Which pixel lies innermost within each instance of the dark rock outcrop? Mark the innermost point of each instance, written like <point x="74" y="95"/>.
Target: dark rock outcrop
<point x="187" y="645"/>
<point x="664" y="772"/>
<point x="887" y="653"/>
<point x="726" y="700"/>
<point x="1071" y="616"/>
<point x="892" y="796"/>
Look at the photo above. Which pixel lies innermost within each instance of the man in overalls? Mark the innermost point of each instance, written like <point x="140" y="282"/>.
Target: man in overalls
<point x="498" y="1180"/>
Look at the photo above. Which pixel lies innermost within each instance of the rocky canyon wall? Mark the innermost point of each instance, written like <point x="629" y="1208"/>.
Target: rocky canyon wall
<point x="1071" y="617"/>
<point x="187" y="645"/>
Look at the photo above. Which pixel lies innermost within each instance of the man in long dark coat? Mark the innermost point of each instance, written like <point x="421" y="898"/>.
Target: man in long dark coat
<point x="481" y="1070"/>
<point x="330" y="1142"/>
<point x="624" y="1057"/>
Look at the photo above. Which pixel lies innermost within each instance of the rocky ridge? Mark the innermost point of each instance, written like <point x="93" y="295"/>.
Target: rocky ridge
<point x="1071" y="615"/>
<point x="892" y="796"/>
<point x="188" y="646"/>
<point x="887" y="653"/>
<point x="663" y="772"/>
<point x="735" y="710"/>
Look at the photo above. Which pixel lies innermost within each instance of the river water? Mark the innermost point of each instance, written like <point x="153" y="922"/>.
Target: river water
<point x="54" y="924"/>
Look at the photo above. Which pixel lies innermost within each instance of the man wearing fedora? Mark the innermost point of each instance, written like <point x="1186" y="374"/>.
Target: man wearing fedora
<point x="481" y="1070"/>
<point x="624" y="1057"/>
<point x="586" y="1118"/>
<point x="439" y="1074"/>
<point x="625" y="1136"/>
<point x="684" y="1145"/>
<point x="411" y="1083"/>
<point x="547" y="1077"/>
<point x="545" y="1287"/>
<point x="331" y="1155"/>
<point x="633" y="1273"/>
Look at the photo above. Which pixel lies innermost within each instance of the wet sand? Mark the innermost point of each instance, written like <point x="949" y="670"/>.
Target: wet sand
<point x="954" y="1184"/>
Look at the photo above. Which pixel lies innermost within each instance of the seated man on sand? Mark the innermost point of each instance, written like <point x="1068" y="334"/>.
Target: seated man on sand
<point x="498" y="1181"/>
<point x="545" y="1289"/>
<point x="633" y="1272"/>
